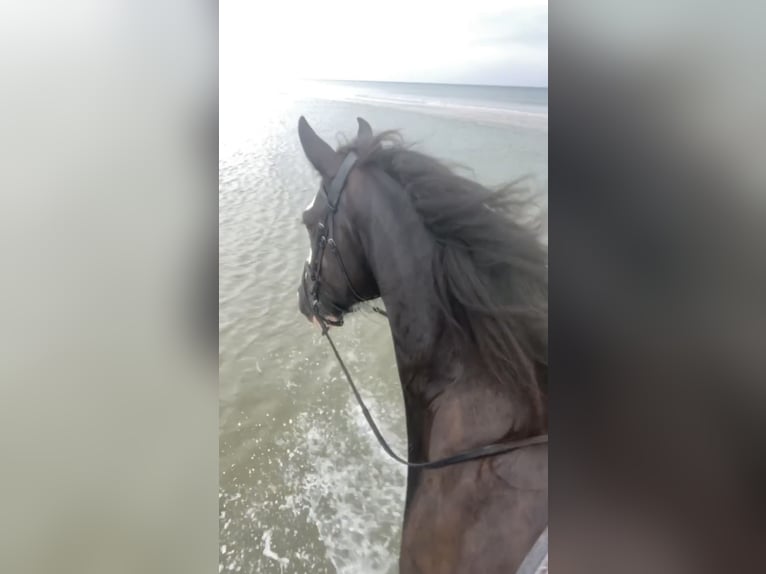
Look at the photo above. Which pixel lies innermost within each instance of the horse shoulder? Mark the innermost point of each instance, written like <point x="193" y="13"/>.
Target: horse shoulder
<point x="476" y="517"/>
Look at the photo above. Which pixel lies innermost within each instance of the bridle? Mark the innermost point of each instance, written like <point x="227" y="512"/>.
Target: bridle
<point x="313" y="270"/>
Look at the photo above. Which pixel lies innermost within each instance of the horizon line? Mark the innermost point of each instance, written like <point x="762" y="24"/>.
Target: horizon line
<point x="427" y="83"/>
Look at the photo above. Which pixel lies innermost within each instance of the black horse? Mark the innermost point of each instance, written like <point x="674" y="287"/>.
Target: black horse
<point x="465" y="288"/>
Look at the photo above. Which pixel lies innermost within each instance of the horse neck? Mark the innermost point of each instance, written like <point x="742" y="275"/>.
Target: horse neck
<point x="452" y="404"/>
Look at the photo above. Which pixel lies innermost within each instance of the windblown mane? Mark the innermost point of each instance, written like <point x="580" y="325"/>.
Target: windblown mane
<point x="489" y="268"/>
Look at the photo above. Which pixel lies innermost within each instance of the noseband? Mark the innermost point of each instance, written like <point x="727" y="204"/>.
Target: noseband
<point x="313" y="270"/>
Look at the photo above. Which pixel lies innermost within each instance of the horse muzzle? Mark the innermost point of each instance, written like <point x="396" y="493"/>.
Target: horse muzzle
<point x="309" y="304"/>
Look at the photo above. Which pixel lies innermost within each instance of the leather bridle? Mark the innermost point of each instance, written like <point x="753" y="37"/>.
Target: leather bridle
<point x="313" y="270"/>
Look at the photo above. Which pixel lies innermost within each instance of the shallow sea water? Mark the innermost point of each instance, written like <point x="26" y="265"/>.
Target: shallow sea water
<point x="304" y="486"/>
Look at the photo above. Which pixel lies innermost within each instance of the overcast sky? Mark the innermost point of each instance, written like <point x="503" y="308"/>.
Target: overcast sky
<point x="500" y="42"/>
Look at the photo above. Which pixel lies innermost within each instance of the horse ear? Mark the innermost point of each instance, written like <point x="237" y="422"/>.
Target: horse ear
<point x="365" y="131"/>
<point x="324" y="159"/>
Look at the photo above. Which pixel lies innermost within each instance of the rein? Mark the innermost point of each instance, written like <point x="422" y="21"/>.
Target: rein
<point x="313" y="270"/>
<point x="481" y="452"/>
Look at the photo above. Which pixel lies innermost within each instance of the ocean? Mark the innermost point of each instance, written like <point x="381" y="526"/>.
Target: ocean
<point x="304" y="486"/>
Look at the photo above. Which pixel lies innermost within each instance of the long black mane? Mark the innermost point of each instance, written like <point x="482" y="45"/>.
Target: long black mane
<point x="489" y="268"/>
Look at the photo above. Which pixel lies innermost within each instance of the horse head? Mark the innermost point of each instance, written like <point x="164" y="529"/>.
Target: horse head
<point x="337" y="274"/>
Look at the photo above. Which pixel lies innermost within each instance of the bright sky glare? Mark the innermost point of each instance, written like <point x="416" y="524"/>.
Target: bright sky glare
<point x="496" y="42"/>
